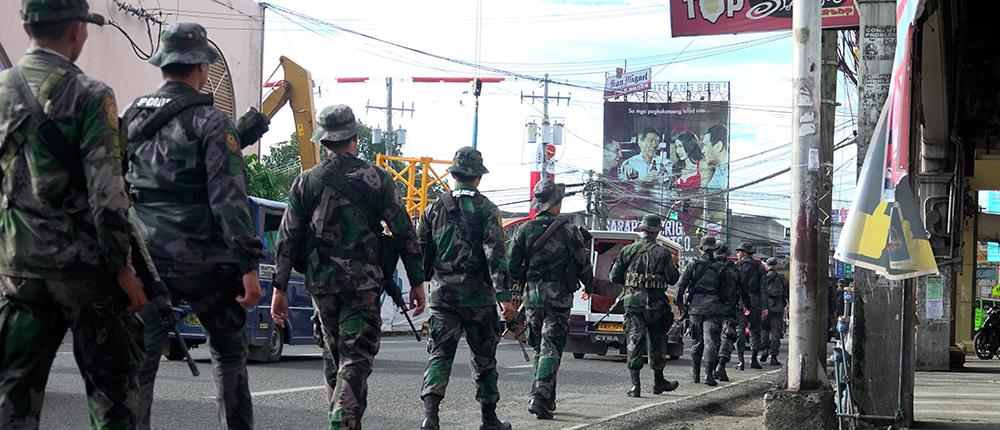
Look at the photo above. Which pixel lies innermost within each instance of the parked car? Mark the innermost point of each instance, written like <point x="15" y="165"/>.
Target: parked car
<point x="266" y="339"/>
<point x="586" y="335"/>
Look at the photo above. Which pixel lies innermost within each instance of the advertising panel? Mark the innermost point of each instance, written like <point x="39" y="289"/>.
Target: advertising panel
<point x="670" y="159"/>
<point x="621" y="83"/>
<point x="704" y="17"/>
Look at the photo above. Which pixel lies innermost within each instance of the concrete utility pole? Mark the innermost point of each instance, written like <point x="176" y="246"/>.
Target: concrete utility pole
<point x="389" y="139"/>
<point x="545" y="141"/>
<point x="804" y="404"/>
<point x="828" y="118"/>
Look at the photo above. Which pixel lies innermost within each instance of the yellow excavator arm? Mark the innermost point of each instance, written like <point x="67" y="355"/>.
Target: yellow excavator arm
<point x="296" y="90"/>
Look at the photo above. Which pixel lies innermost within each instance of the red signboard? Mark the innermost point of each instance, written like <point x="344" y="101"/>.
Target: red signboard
<point x="703" y="17"/>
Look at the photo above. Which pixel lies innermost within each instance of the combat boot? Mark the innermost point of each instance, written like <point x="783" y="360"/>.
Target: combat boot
<point x="538" y="407"/>
<point x="742" y="364"/>
<point x="636" y="390"/>
<point x="490" y="420"/>
<point x="753" y="360"/>
<point x="661" y="385"/>
<point x="696" y="372"/>
<point x="774" y="361"/>
<point x="720" y="371"/>
<point x="431" y="405"/>
<point x="709" y="376"/>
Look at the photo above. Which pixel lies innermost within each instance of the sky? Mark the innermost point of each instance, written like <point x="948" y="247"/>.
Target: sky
<point x="577" y="42"/>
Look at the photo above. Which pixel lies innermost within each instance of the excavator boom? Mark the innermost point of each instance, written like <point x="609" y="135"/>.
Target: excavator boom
<point x="296" y="91"/>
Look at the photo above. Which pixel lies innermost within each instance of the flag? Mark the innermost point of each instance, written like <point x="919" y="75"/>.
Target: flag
<point x="884" y="231"/>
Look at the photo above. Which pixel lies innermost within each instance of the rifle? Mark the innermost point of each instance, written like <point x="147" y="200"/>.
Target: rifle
<point x="156" y="291"/>
<point x="614" y="305"/>
<point x="389" y="257"/>
<point x="519" y="316"/>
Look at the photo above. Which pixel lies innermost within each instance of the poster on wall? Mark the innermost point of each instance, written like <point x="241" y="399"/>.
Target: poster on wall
<point x="671" y="159"/>
<point x="705" y="17"/>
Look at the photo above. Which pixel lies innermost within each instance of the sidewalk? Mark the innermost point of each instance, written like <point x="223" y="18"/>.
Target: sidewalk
<point x="965" y="399"/>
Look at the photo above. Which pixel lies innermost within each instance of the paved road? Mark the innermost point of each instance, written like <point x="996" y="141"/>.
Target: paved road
<point x="288" y="395"/>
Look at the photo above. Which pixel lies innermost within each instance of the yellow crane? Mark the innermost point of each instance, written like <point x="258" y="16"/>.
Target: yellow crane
<point x="296" y="91"/>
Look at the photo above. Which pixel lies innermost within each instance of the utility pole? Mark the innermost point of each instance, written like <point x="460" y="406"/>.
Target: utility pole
<point x="542" y="151"/>
<point x="477" y="90"/>
<point x="389" y="139"/>
<point x="828" y="116"/>
<point x="805" y="403"/>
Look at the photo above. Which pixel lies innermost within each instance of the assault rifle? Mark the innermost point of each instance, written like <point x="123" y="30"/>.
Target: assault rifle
<point x="519" y="318"/>
<point x="389" y="257"/>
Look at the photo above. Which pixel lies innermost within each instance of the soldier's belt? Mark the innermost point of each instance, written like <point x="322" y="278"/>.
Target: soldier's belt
<point x="160" y="196"/>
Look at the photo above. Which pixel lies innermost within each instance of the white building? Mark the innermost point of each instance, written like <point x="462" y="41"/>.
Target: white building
<point x="236" y="27"/>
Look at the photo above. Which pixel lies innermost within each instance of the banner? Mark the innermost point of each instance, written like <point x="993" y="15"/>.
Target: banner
<point x="621" y="83"/>
<point x="704" y="17"/>
<point x="671" y="159"/>
<point x="884" y="231"/>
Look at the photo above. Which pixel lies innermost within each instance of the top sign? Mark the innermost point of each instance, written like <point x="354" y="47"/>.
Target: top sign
<point x="620" y="83"/>
<point x="703" y="17"/>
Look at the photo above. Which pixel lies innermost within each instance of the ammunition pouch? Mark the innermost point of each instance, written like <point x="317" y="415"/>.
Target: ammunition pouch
<point x="644" y="280"/>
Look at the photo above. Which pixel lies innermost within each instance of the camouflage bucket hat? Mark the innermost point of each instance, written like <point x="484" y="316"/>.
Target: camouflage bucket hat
<point x="336" y="124"/>
<point x="709" y="243"/>
<point x="547" y="195"/>
<point x="468" y="161"/>
<point x="651" y="223"/>
<point x="723" y="250"/>
<point x="747" y="247"/>
<point x="184" y="43"/>
<point x="39" y="11"/>
<point x="772" y="262"/>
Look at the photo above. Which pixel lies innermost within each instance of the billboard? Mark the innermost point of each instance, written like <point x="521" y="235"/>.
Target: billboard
<point x="622" y="83"/>
<point x="671" y="159"/>
<point x="703" y="17"/>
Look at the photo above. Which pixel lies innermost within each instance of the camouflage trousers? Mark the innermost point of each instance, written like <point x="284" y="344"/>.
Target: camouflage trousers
<point x="107" y="345"/>
<point x="773" y="332"/>
<point x="548" y="331"/>
<point x="706" y="331"/>
<point x="329" y="364"/>
<point x="352" y="330"/>
<point x="213" y="299"/>
<point x="732" y="338"/>
<point x="647" y="335"/>
<point x="756" y="325"/>
<point x="481" y="326"/>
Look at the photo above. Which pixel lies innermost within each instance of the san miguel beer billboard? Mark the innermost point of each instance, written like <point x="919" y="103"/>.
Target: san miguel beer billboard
<point x="705" y="17"/>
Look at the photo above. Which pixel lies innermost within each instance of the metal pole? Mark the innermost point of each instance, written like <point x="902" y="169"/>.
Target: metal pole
<point x="390" y="139"/>
<point x="803" y="362"/>
<point x="545" y="128"/>
<point x="476" y="90"/>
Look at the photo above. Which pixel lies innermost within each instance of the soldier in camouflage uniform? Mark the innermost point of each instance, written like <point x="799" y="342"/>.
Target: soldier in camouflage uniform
<point x="775" y="291"/>
<point x="554" y="270"/>
<point x="463" y="246"/>
<point x="701" y="292"/>
<point x="734" y="308"/>
<point x="646" y="269"/>
<point x="65" y="242"/>
<point x="751" y="276"/>
<point x="186" y="178"/>
<point x="337" y="242"/>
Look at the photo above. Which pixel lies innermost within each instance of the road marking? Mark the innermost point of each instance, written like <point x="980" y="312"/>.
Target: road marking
<point x="283" y="391"/>
<point x="523" y="366"/>
<point x="652" y="405"/>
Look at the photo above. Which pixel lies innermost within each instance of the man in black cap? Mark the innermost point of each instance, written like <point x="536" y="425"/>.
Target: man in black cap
<point x="185" y="173"/>
<point x="463" y="246"/>
<point x="65" y="263"/>
<point x="700" y="293"/>
<point x="752" y="276"/>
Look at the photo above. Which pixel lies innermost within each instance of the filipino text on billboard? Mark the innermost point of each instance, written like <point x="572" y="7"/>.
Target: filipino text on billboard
<point x="670" y="159"/>
<point x="702" y="17"/>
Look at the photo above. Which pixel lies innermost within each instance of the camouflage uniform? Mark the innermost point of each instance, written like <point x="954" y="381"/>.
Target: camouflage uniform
<point x="463" y="247"/>
<point x="63" y="242"/>
<point x="554" y="272"/>
<point x="751" y="276"/>
<point x="775" y="291"/>
<point x="189" y="200"/>
<point x="341" y="257"/>
<point x="733" y="319"/>
<point x="704" y="283"/>
<point x="646" y="269"/>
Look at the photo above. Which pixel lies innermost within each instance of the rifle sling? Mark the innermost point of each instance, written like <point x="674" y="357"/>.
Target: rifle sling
<point x="537" y="243"/>
<point x="65" y="153"/>
<point x="153" y="123"/>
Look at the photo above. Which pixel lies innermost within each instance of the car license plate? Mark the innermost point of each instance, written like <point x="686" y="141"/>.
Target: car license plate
<point x="598" y="337"/>
<point x="192" y="320"/>
<point x="610" y="326"/>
